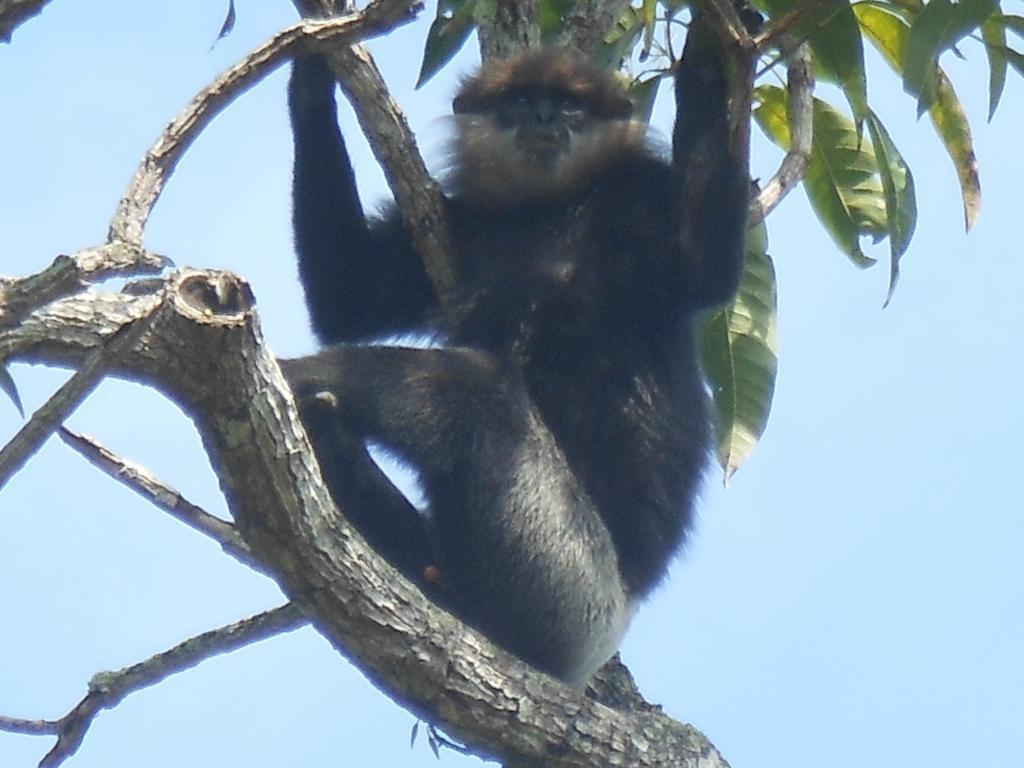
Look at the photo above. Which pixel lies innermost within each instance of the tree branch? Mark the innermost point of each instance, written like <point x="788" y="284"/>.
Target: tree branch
<point x="727" y="20"/>
<point x="800" y="119"/>
<point x="507" y="26"/>
<point x="108" y="689"/>
<point x="70" y="274"/>
<point x="589" y="22"/>
<point x="162" y="496"/>
<point x="129" y="221"/>
<point x="418" y="196"/>
<point x="13" y="13"/>
<point x="776" y="32"/>
<point x="52" y="413"/>
<point x="208" y="356"/>
<point x="29" y="727"/>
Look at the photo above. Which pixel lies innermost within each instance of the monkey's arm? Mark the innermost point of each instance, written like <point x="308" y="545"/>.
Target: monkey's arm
<point x="362" y="279"/>
<point x="711" y="183"/>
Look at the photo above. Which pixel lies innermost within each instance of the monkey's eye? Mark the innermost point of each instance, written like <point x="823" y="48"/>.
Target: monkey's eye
<point x="541" y="108"/>
<point x="574" y="111"/>
<point x="571" y="103"/>
<point x="514" y="109"/>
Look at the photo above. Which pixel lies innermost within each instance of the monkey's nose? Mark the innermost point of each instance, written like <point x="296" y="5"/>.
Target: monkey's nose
<point x="546" y="137"/>
<point x="544" y="111"/>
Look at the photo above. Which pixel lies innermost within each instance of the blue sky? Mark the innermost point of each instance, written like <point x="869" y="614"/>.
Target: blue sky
<point x="854" y="597"/>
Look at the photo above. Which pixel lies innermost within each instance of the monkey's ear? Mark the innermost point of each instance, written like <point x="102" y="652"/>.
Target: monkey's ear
<point x="460" y="104"/>
<point x="618" y="107"/>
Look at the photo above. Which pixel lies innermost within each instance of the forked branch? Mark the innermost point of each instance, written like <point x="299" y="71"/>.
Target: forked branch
<point x="108" y="689"/>
<point x="210" y="358"/>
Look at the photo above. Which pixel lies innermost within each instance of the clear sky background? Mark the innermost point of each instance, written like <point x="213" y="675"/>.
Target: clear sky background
<point x="853" y="598"/>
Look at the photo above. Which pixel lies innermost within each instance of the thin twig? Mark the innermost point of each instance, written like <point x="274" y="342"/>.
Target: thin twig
<point x="129" y="221"/>
<point x="800" y="119"/>
<point x="108" y="689"/>
<point x="728" y="22"/>
<point x="29" y="727"/>
<point x="780" y="28"/>
<point x="162" y="496"/>
<point x="53" y="412"/>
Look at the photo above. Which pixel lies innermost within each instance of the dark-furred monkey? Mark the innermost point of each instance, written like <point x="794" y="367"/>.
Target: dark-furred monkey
<point x="561" y="430"/>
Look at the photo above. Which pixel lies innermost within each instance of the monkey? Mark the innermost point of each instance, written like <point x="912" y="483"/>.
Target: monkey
<point x="562" y="426"/>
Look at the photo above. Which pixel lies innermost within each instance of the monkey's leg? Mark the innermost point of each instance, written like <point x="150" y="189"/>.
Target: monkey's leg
<point x="371" y="502"/>
<point x="523" y="553"/>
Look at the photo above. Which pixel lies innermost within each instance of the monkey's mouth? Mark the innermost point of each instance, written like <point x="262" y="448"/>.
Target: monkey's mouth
<point x="544" y="144"/>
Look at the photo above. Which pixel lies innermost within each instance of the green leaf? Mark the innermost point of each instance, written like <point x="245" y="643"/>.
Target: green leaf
<point x="842" y="183"/>
<point x="10" y="388"/>
<point x="889" y="33"/>
<point x="1016" y="60"/>
<point x="939" y="26"/>
<point x="771" y="114"/>
<point x="1013" y="23"/>
<point x="842" y="179"/>
<point x="229" y="23"/>
<point x="994" y="35"/>
<point x="886" y="30"/>
<point x="619" y="42"/>
<point x="950" y="120"/>
<point x="452" y="26"/>
<point x="739" y="356"/>
<point x="649" y="10"/>
<point x="900" y="198"/>
<point x="551" y="14"/>
<point x="836" y="44"/>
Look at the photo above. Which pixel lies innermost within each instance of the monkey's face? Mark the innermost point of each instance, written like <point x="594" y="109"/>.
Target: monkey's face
<point x="534" y="146"/>
<point x="538" y="127"/>
<point x="542" y="124"/>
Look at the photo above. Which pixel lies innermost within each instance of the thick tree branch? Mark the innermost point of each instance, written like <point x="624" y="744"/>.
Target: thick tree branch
<point x="589" y="22"/>
<point x="209" y="357"/>
<point x="507" y="26"/>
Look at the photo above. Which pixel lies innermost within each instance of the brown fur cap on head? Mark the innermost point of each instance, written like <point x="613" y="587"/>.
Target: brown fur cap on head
<point x="540" y="68"/>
